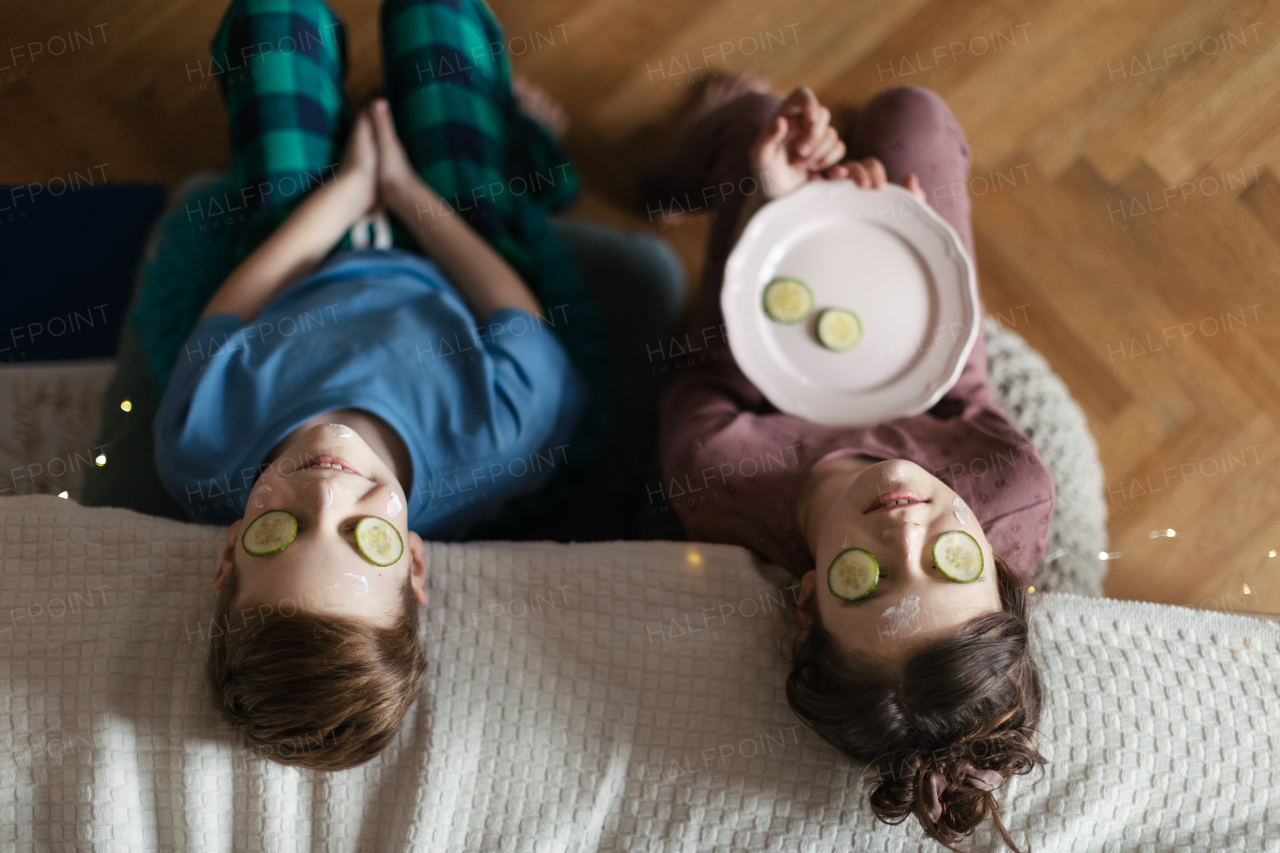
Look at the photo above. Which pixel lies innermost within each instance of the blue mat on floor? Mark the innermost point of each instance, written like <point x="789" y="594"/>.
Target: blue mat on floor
<point x="67" y="266"/>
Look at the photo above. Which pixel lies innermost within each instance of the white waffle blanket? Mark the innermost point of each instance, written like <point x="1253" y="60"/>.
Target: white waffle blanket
<point x="584" y="697"/>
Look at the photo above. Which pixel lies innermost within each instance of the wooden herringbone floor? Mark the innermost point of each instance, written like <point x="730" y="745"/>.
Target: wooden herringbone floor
<point x="1127" y="207"/>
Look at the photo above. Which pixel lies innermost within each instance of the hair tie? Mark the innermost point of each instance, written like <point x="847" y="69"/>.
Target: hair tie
<point x="983" y="780"/>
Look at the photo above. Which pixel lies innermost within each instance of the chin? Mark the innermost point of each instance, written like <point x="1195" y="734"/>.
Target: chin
<point x="315" y="443"/>
<point x="891" y="475"/>
<point x="898" y="471"/>
<point x="322" y="439"/>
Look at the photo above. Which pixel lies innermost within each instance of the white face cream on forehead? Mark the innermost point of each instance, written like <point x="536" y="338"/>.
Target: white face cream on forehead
<point x="326" y="495"/>
<point x="905" y="615"/>
<point x="358" y="584"/>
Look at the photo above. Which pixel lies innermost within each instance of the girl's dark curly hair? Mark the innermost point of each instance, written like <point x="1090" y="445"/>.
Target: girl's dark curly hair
<point x="968" y="702"/>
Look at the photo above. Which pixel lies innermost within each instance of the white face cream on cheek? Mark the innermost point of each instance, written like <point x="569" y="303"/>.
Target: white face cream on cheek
<point x="961" y="510"/>
<point x="393" y="505"/>
<point x="259" y="492"/>
<point x="339" y="430"/>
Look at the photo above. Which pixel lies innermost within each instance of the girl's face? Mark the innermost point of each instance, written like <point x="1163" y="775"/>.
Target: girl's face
<point x="912" y="602"/>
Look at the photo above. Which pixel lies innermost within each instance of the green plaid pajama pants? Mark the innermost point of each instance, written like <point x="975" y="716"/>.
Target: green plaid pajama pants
<point x="280" y="65"/>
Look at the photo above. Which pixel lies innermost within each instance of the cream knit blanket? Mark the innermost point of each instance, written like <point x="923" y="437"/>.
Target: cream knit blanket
<point x="622" y="696"/>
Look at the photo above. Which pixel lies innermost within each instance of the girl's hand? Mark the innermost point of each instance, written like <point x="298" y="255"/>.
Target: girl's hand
<point x="359" y="167"/>
<point x="869" y="173"/>
<point x="395" y="172"/>
<point x="797" y="146"/>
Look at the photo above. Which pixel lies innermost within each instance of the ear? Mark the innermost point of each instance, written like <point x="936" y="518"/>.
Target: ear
<point x="228" y="554"/>
<point x="418" y="566"/>
<point x="805" y="604"/>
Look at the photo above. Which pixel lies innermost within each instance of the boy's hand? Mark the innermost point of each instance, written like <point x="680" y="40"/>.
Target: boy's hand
<point x="359" y="167"/>
<point x="798" y="145"/>
<point x="395" y="172"/>
<point x="869" y="173"/>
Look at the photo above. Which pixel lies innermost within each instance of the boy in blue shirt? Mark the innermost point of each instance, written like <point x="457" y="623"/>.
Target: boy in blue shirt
<point x="377" y="387"/>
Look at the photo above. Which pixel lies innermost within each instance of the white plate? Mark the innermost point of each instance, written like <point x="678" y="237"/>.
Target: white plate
<point x="885" y="256"/>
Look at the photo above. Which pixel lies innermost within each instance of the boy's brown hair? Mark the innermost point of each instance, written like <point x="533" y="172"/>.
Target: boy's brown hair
<point x="322" y="692"/>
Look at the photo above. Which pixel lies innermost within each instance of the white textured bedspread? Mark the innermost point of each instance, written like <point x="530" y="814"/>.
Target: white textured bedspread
<point x="624" y="696"/>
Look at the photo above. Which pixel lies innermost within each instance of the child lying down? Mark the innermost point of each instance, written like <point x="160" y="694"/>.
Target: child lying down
<point x="333" y="412"/>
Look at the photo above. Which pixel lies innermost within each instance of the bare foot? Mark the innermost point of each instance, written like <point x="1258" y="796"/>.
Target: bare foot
<point x="719" y="91"/>
<point x="537" y="103"/>
<point x="724" y="88"/>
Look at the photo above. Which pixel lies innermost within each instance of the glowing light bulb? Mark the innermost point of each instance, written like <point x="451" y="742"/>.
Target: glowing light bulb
<point x="64" y="495"/>
<point x="1031" y="589"/>
<point x="125" y="405"/>
<point x="1247" y="591"/>
<point x="101" y="460"/>
<point x="1271" y="553"/>
<point x="1157" y="534"/>
<point x="1109" y="555"/>
<point x="693" y="557"/>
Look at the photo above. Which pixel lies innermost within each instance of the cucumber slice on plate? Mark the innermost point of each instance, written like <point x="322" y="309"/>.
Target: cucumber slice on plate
<point x="269" y="533"/>
<point x="853" y="574"/>
<point x="787" y="300"/>
<point x="958" y="556"/>
<point x="378" y="540"/>
<point x="838" y="329"/>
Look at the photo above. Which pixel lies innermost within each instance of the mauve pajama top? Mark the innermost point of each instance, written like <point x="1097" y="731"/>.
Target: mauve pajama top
<point x="733" y="465"/>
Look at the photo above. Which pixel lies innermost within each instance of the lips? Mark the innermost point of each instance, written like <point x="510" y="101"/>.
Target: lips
<point x="894" y="499"/>
<point x="331" y="463"/>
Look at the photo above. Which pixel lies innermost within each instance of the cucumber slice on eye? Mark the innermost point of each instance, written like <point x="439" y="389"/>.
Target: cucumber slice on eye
<point x="838" y="329"/>
<point x="958" y="556"/>
<point x="378" y="541"/>
<point x="853" y="574"/>
<point x="787" y="300"/>
<point x="269" y="533"/>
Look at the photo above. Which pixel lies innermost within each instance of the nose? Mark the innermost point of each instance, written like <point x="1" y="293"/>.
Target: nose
<point x="905" y="542"/>
<point x="327" y="495"/>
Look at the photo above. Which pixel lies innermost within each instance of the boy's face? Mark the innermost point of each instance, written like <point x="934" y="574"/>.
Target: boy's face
<point x="321" y="570"/>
